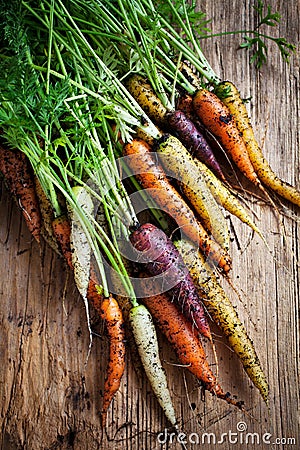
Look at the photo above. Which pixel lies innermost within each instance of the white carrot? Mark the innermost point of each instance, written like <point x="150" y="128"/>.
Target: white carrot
<point x="80" y="246"/>
<point x="146" y="340"/>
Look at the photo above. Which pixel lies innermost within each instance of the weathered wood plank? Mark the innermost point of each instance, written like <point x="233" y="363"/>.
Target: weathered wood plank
<point x="49" y="400"/>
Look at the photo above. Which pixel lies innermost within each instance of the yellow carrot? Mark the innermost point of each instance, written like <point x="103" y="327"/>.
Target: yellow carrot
<point x="225" y="198"/>
<point x="232" y="99"/>
<point x="143" y="93"/>
<point x="179" y="164"/>
<point x="224" y="314"/>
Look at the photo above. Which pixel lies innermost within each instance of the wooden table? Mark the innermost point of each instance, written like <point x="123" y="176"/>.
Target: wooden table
<point x="49" y="400"/>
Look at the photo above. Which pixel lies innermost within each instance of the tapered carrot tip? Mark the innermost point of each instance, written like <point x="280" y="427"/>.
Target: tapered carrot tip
<point x="218" y="391"/>
<point x="103" y="419"/>
<point x="113" y="318"/>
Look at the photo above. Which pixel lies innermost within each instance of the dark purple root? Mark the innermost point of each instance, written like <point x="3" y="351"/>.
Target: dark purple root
<point x="160" y="258"/>
<point x="188" y="133"/>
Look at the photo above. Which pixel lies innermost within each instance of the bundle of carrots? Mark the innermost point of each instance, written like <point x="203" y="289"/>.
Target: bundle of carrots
<point x="85" y="120"/>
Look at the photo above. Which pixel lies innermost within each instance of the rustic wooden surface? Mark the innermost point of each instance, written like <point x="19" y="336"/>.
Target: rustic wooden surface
<point x="49" y="400"/>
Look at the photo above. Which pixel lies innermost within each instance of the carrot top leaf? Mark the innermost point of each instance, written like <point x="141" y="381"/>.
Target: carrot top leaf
<point x="197" y="18"/>
<point x="271" y="18"/>
<point x="256" y="41"/>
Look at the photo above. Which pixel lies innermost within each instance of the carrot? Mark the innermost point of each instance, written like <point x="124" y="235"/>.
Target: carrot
<point x="183" y="339"/>
<point x="225" y="198"/>
<point x="92" y="294"/>
<point x="62" y="232"/>
<point x="125" y="304"/>
<point x="220" y="122"/>
<point x="77" y="251"/>
<point x="151" y="176"/>
<point x="224" y="314"/>
<point x="188" y="133"/>
<point x="175" y="121"/>
<point x="185" y="104"/>
<point x="179" y="164"/>
<point x="112" y="316"/>
<point x="108" y="309"/>
<point x="161" y="259"/>
<point x="146" y="339"/>
<point x="80" y="246"/>
<point x="230" y="96"/>
<point x="47" y="215"/>
<point x="143" y="93"/>
<point x="18" y="177"/>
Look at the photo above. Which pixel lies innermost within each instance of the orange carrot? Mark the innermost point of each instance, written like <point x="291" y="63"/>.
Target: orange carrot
<point x="152" y="177"/>
<point x="112" y="315"/>
<point x="217" y="118"/>
<point x="183" y="338"/>
<point x="231" y="97"/>
<point x="19" y="179"/>
<point x="62" y="231"/>
<point x="110" y="312"/>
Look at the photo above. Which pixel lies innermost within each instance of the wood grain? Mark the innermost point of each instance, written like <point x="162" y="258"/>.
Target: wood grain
<point x="50" y="400"/>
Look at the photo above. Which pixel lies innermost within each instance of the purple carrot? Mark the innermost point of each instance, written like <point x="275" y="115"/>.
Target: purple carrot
<point x="188" y="133"/>
<point x="160" y="258"/>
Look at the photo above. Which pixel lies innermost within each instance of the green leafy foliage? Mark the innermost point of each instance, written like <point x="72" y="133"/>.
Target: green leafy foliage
<point x="256" y="41"/>
<point x="259" y="56"/>
<point x="271" y="18"/>
<point x="197" y="18"/>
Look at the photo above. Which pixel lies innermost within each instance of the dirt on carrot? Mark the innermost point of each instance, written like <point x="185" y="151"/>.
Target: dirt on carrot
<point x="143" y="93"/>
<point x="194" y="141"/>
<point x="221" y="310"/>
<point x="220" y="122"/>
<point x="183" y="338"/>
<point x="158" y="257"/>
<point x="179" y="164"/>
<point x="148" y="171"/>
<point x="231" y="97"/>
<point x="112" y="316"/>
<point x="62" y="232"/>
<point x="19" y="179"/>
